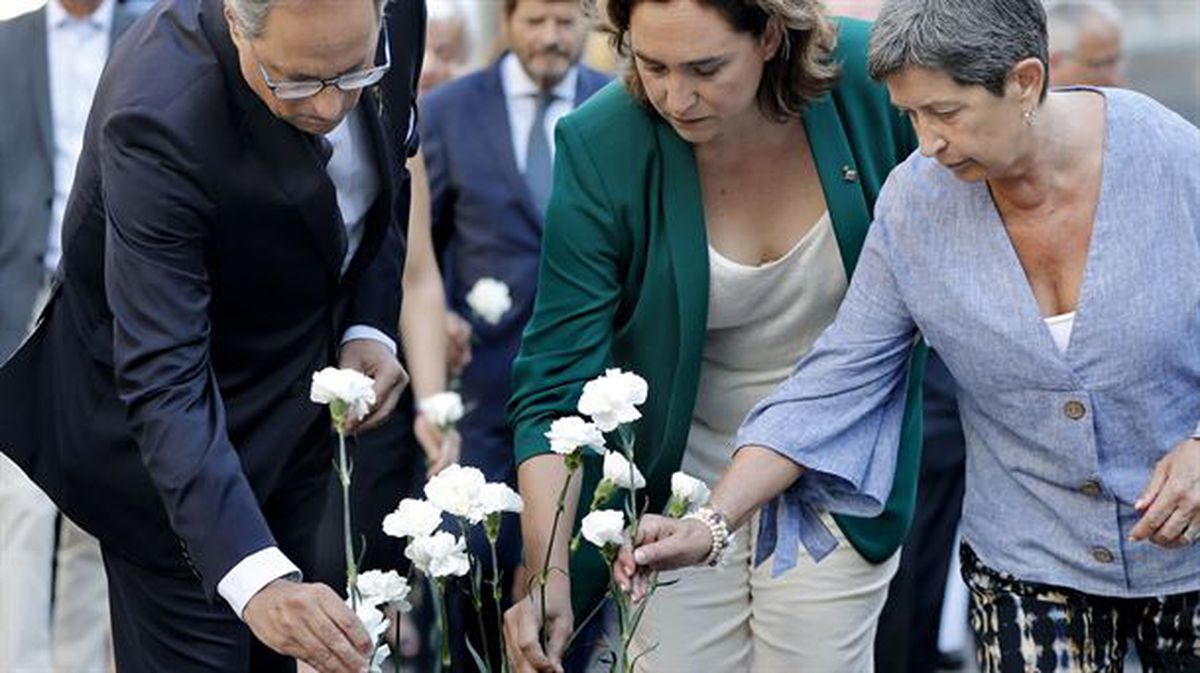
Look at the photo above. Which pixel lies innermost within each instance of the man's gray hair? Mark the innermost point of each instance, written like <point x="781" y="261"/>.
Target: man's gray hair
<point x="251" y="15"/>
<point x="973" y="41"/>
<point x="1065" y="20"/>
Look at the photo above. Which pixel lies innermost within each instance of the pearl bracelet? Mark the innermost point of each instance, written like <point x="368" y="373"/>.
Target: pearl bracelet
<point x="718" y="526"/>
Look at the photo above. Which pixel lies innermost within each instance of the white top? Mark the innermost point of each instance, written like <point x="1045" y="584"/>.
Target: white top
<point x="76" y="51"/>
<point x="1060" y="329"/>
<point x="761" y="321"/>
<point x="520" y="96"/>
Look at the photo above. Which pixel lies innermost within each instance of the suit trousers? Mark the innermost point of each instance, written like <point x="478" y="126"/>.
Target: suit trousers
<point x="53" y="597"/>
<point x="163" y="621"/>
<point x="815" y="618"/>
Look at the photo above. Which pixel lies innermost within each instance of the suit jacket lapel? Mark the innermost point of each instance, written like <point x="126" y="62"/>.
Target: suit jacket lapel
<point x="840" y="179"/>
<point x="386" y="161"/>
<point x="497" y="136"/>
<point x="681" y="208"/>
<point x="39" y="59"/>
<point x="123" y="18"/>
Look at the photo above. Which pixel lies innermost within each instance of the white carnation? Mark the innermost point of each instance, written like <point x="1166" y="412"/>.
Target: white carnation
<point x="604" y="527"/>
<point x="689" y="490"/>
<point x="379" y="588"/>
<point x="568" y="434"/>
<point x="612" y="399"/>
<point x="442" y="409"/>
<point x="500" y="498"/>
<point x="456" y="491"/>
<point x="412" y="518"/>
<point x="346" y="386"/>
<point x="619" y="471"/>
<point x="489" y="299"/>
<point x="439" y="555"/>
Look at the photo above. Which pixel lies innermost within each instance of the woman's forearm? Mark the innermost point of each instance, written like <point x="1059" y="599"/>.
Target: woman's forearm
<point x="756" y="477"/>
<point x="540" y="481"/>
<point x="423" y="313"/>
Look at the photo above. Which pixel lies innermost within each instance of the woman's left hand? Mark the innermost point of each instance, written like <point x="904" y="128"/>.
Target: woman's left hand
<point x="1171" y="501"/>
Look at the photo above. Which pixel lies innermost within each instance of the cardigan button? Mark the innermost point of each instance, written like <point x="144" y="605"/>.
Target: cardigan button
<point x="1074" y="410"/>
<point x="849" y="174"/>
<point x="1102" y="555"/>
<point x="1091" y="488"/>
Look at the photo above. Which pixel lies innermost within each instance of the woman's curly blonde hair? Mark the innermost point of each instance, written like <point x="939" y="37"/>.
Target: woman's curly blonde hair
<point x="802" y="70"/>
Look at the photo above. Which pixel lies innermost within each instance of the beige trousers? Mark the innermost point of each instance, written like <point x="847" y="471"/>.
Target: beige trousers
<point x="815" y="618"/>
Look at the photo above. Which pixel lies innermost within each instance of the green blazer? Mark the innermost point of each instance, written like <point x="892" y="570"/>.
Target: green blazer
<point x="624" y="280"/>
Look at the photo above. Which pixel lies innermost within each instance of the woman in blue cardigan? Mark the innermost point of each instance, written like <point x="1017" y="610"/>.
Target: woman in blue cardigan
<point x="705" y="219"/>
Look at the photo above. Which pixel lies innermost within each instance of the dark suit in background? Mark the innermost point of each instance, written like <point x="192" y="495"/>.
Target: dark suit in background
<point x="162" y="402"/>
<point x="485" y="224"/>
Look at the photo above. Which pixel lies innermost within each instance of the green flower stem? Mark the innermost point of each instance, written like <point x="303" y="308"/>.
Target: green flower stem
<point x="498" y="596"/>
<point x="439" y="600"/>
<point x="343" y="468"/>
<point x="572" y="462"/>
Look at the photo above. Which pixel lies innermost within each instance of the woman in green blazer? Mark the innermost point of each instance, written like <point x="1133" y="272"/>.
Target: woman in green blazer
<point x="704" y="219"/>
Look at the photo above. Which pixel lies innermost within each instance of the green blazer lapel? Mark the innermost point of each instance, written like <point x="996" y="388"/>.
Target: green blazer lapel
<point x="840" y="178"/>
<point x="682" y="212"/>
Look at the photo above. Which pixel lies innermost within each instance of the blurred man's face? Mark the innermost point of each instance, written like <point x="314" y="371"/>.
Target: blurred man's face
<point x="1097" y="59"/>
<point x="547" y="37"/>
<point x="313" y="40"/>
<point x="445" y="51"/>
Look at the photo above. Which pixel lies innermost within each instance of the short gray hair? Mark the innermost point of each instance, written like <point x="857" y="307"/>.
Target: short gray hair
<point x="1065" y="19"/>
<point x="251" y="15"/>
<point x="973" y="41"/>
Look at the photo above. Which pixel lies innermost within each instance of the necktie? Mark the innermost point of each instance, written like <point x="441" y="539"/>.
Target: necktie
<point x="538" y="170"/>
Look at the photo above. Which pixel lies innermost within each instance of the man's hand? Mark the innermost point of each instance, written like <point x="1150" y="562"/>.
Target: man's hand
<point x="442" y="449"/>
<point x="375" y="360"/>
<point x="1170" y="502"/>
<point x="311" y="623"/>
<point x="522" y="626"/>
<point x="458" y="343"/>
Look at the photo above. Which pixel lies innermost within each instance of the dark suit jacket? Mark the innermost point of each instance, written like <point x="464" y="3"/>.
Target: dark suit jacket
<point x="165" y="390"/>
<point x="27" y="163"/>
<point x="486" y="225"/>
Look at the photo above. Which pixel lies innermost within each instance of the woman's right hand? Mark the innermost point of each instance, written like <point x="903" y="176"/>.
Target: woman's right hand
<point x="662" y="543"/>
<point x="522" y="628"/>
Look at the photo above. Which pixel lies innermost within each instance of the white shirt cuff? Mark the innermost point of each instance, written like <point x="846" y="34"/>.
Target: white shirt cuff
<point x="253" y="573"/>
<point x="1196" y="432"/>
<point x="368" y="332"/>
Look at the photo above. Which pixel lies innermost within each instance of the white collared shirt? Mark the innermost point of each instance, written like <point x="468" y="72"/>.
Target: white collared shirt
<point x="520" y="96"/>
<point x="76" y="50"/>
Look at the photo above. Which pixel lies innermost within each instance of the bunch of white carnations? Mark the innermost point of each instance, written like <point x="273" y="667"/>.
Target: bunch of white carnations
<point x="460" y="496"/>
<point x="610" y="404"/>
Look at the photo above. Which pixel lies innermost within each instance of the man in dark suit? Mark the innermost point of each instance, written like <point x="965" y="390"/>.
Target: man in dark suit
<point x="488" y="142"/>
<point x="53" y="602"/>
<point x="232" y="228"/>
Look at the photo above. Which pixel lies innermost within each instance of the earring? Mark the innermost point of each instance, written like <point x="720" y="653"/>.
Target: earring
<point x="1030" y="116"/>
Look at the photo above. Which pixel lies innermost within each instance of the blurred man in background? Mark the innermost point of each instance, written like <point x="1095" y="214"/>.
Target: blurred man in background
<point x="447" y="43"/>
<point x="49" y="620"/>
<point x="488" y="139"/>
<point x="1085" y="43"/>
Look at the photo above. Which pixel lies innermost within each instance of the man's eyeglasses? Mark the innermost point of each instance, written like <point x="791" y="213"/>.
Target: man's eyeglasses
<point x="351" y="81"/>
